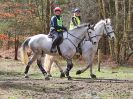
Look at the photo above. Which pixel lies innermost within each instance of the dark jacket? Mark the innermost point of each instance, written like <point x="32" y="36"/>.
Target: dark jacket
<point x="54" y="23"/>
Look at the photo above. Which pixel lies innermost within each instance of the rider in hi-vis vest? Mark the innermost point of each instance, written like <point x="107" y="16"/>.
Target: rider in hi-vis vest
<point x="76" y="19"/>
<point x="56" y="28"/>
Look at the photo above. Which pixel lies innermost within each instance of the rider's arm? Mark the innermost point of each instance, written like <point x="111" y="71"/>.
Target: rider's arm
<point x="74" y="21"/>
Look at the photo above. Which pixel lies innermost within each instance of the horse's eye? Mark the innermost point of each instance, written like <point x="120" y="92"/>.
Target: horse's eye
<point x="107" y="27"/>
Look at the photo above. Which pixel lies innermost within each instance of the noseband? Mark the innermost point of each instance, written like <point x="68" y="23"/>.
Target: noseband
<point x="90" y="38"/>
<point x="108" y="33"/>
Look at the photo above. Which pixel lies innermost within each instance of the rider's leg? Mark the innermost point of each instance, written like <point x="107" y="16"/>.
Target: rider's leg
<point x="79" y="52"/>
<point x="60" y="37"/>
<point x="55" y="42"/>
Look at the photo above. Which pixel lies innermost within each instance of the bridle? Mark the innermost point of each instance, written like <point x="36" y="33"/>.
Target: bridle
<point x="77" y="37"/>
<point x="72" y="36"/>
<point x="108" y="33"/>
<point x="90" y="38"/>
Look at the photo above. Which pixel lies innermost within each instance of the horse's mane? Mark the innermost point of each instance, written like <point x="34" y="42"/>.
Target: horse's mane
<point x="80" y="26"/>
<point x="100" y="22"/>
<point x="103" y="21"/>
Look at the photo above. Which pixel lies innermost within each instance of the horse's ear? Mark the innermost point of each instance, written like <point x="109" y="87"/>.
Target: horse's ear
<point x="106" y="20"/>
<point x="93" y="25"/>
<point x="89" y="25"/>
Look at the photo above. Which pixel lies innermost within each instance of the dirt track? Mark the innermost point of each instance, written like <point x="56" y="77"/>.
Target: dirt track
<point x="13" y="85"/>
<point x="58" y="88"/>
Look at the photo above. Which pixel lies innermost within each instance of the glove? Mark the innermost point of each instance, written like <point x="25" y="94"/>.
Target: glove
<point x="64" y="28"/>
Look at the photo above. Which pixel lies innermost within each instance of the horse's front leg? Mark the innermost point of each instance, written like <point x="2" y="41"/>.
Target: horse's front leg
<point x="82" y="70"/>
<point x="91" y="74"/>
<point x="34" y="57"/>
<point x="89" y="61"/>
<point x="69" y="67"/>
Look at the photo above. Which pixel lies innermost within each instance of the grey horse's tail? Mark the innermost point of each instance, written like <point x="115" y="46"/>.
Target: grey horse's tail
<point x="23" y="53"/>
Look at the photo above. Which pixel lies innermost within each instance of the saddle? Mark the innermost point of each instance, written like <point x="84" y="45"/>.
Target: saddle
<point x="50" y="35"/>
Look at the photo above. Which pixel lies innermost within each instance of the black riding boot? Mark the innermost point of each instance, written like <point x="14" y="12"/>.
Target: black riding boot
<point x="53" y="48"/>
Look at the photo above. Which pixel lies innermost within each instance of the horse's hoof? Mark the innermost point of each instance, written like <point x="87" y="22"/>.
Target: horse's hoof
<point x="93" y="76"/>
<point x="44" y="74"/>
<point x="26" y="76"/>
<point x="67" y="73"/>
<point x="54" y="50"/>
<point x="78" y="72"/>
<point x="69" y="78"/>
<point x="62" y="75"/>
<point x="47" y="78"/>
<point x="49" y="75"/>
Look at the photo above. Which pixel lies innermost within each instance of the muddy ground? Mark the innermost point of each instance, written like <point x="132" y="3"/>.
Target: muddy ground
<point x="13" y="85"/>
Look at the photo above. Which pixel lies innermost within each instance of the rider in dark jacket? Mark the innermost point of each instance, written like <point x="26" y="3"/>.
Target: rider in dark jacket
<point x="56" y="28"/>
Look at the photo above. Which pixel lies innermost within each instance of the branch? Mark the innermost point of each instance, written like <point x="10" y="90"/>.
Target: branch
<point x="130" y="44"/>
<point x="129" y="55"/>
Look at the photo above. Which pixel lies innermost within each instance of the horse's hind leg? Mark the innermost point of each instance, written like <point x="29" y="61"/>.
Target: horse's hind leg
<point x="49" y="60"/>
<point x="28" y="65"/>
<point x="69" y="67"/>
<point x="49" y="64"/>
<point x="40" y="61"/>
<point x="60" y="69"/>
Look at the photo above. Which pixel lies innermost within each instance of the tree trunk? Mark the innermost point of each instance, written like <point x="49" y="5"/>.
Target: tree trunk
<point x="99" y="60"/>
<point x="129" y="31"/>
<point x="117" y="46"/>
<point x="103" y="40"/>
<point x="16" y="46"/>
<point x="102" y="9"/>
<point x="124" y="41"/>
<point x="48" y="15"/>
<point x="111" y="15"/>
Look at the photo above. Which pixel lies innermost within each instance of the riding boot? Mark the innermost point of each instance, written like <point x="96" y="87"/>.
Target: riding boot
<point x="53" y="48"/>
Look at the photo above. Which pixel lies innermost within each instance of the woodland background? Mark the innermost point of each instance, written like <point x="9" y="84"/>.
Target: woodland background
<point x="23" y="18"/>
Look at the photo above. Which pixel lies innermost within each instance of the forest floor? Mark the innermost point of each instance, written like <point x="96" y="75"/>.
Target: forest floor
<point x="111" y="83"/>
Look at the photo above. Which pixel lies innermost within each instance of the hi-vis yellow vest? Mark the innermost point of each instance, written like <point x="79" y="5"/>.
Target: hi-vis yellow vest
<point x="60" y="23"/>
<point x="71" y="23"/>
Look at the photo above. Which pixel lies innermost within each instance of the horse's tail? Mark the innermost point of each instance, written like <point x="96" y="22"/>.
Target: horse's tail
<point x="23" y="53"/>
